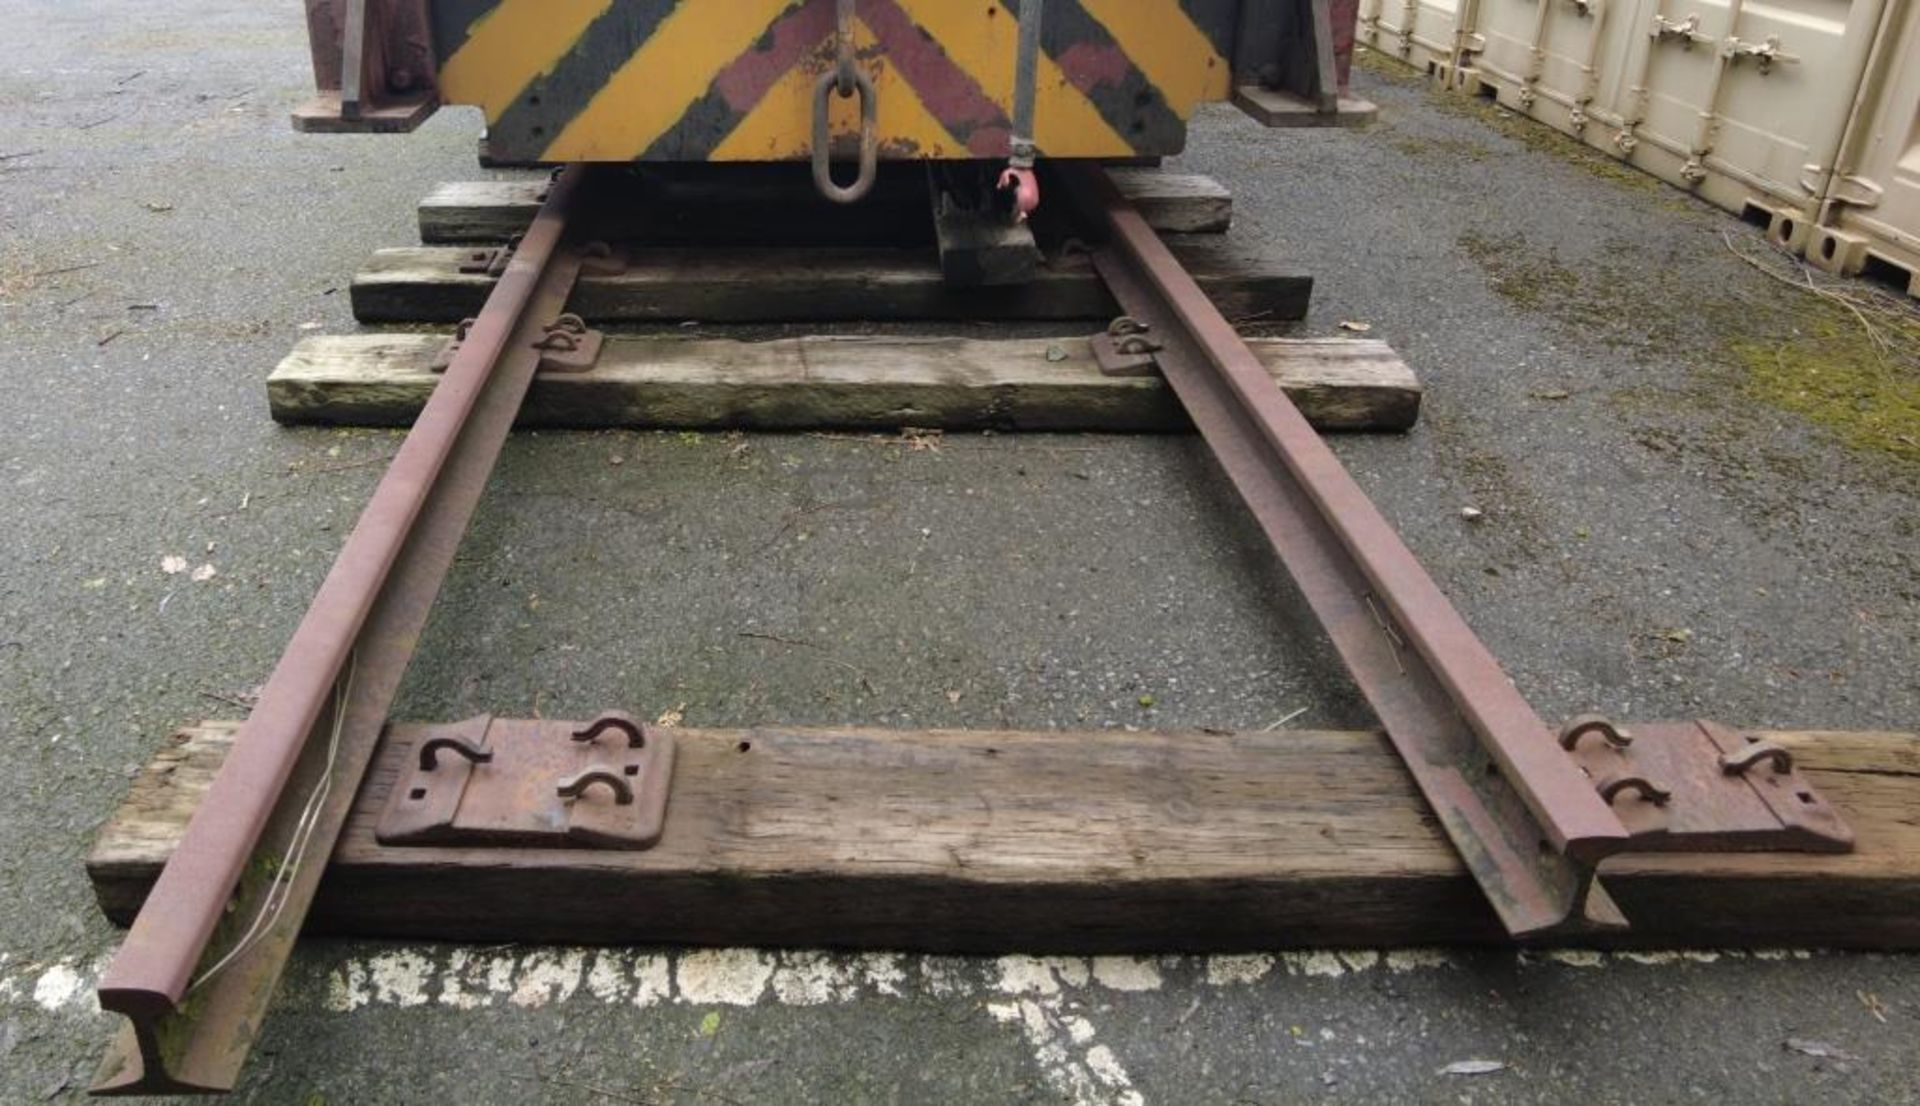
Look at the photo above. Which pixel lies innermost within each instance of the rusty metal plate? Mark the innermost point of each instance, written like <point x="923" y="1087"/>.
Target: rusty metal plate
<point x="1703" y="787"/>
<point x="569" y="345"/>
<point x="535" y="783"/>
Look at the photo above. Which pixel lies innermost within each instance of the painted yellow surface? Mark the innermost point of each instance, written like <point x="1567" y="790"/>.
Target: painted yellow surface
<point x="512" y="45"/>
<point x="668" y="73"/>
<point x="521" y="40"/>
<point x="781" y="126"/>
<point x="1173" y="53"/>
<point x="1065" y="124"/>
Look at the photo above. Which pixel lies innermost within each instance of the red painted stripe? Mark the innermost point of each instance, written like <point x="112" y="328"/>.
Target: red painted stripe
<point x="1089" y="65"/>
<point x="746" y="80"/>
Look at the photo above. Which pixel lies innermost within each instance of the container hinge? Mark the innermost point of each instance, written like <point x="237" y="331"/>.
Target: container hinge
<point x="1703" y="787"/>
<point x="532" y="783"/>
<point x="1686" y="30"/>
<point x="1764" y="53"/>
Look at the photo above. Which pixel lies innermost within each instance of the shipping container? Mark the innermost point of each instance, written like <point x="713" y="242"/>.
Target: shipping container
<point x="1802" y="114"/>
<point x="1870" y="215"/>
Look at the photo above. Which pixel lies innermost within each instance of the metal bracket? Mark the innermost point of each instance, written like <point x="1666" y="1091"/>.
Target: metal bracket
<point x="488" y="781"/>
<point x="566" y="345"/>
<point x="596" y="258"/>
<point x="1702" y="787"/>
<point x="491" y="261"/>
<point x="1765" y="53"/>
<point x="569" y="345"/>
<point x="1126" y="348"/>
<point x="1686" y="30"/>
<point x="1853" y="191"/>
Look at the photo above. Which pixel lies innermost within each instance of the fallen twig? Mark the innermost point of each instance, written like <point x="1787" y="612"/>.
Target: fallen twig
<point x="1284" y="721"/>
<point x="778" y="638"/>
<point x="617" y="1096"/>
<point x="858" y="674"/>
<point x="1900" y="319"/>
<point x="231" y="700"/>
<point x="68" y="269"/>
<point x="342" y="467"/>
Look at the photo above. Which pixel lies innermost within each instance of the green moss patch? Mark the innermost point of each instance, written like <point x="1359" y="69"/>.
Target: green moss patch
<point x="1834" y="372"/>
<point x="1836" y="353"/>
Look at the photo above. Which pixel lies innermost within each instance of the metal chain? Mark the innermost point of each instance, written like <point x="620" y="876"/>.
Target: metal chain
<point x="844" y="74"/>
<point x="846" y="79"/>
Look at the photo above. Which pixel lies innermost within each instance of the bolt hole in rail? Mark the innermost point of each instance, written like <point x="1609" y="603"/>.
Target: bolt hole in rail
<point x="1532" y="814"/>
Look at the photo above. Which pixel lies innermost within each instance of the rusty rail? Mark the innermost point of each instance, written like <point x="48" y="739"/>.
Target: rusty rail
<point x="1532" y="817"/>
<point x="199" y="966"/>
<point x="1526" y="819"/>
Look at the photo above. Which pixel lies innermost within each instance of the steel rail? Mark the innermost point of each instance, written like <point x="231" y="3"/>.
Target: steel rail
<point x="199" y="967"/>
<point x="1523" y="816"/>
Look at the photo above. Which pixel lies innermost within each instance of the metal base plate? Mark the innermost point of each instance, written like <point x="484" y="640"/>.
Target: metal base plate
<point x="1703" y="787"/>
<point x="489" y="781"/>
<point x="322" y="115"/>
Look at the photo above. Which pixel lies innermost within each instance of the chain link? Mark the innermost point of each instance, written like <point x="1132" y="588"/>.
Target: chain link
<point x="844" y="79"/>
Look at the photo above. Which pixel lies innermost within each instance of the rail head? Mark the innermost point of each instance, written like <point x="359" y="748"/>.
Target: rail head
<point x="200" y="963"/>
<point x="1531" y="819"/>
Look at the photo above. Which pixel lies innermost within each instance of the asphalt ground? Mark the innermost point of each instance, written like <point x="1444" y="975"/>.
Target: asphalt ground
<point x="1662" y="536"/>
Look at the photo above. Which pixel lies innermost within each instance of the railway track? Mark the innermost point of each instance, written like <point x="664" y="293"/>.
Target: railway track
<point x="1532" y="809"/>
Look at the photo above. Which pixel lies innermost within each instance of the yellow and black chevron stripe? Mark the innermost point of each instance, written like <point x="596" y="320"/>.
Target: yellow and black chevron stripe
<point x="732" y="80"/>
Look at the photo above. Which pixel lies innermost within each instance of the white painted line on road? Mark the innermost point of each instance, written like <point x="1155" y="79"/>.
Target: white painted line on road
<point x="1042" y="998"/>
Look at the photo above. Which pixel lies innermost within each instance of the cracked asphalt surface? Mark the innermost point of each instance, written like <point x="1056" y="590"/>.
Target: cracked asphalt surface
<point x="1656" y="543"/>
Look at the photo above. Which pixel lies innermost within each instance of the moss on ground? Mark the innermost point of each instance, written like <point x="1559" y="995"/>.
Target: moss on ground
<point x="1526" y="277"/>
<point x="1523" y="129"/>
<point x="1839" y="355"/>
<point x="1860" y="385"/>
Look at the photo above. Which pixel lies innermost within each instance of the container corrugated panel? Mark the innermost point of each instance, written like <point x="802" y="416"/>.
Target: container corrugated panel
<point x="1871" y="219"/>
<point x="1418" y="32"/>
<point x="1749" y="104"/>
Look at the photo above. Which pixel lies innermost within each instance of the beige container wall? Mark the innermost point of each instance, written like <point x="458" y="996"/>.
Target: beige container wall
<point x="1419" y="32"/>
<point x="1871" y="217"/>
<point x="1748" y="103"/>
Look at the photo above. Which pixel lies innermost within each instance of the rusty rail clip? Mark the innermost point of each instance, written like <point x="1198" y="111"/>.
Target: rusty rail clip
<point x="1126" y="348"/>
<point x="565" y="345"/>
<point x="1702" y="787"/>
<point x="569" y="345"/>
<point x="534" y="783"/>
<point x="492" y="261"/>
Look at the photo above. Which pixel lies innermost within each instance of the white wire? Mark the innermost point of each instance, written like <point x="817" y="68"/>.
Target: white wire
<point x="280" y="889"/>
